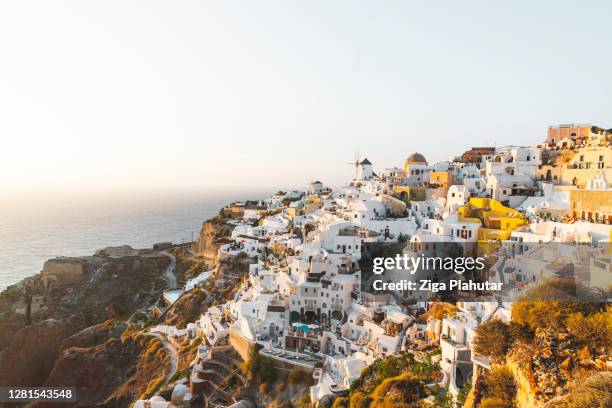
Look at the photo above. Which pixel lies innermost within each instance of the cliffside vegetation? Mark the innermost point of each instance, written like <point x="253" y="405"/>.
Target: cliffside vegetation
<point x="555" y="341"/>
<point x="396" y="381"/>
<point x="274" y="386"/>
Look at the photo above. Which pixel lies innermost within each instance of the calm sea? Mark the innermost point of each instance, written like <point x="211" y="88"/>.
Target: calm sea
<point x="36" y="228"/>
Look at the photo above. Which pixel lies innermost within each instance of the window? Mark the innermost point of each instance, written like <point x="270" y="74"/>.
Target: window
<point x="581" y="157"/>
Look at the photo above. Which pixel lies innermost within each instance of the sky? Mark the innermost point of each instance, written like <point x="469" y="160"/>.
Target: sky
<point x="241" y="94"/>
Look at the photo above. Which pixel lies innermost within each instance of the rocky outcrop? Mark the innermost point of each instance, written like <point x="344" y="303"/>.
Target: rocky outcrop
<point x="66" y="342"/>
<point x="188" y="308"/>
<point x="546" y="369"/>
<point x="109" y="365"/>
<point x="64" y="271"/>
<point x="215" y="232"/>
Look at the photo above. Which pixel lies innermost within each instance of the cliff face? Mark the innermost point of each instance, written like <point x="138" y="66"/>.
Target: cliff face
<point x="30" y="354"/>
<point x="214" y="233"/>
<point x="551" y="369"/>
<point x="525" y="396"/>
<point x="109" y="365"/>
<point x="67" y="343"/>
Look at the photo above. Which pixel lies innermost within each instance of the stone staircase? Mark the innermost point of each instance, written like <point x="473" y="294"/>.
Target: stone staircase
<point x="210" y="375"/>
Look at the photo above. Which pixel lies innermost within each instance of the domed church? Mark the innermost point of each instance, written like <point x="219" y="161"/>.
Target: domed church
<point x="414" y="158"/>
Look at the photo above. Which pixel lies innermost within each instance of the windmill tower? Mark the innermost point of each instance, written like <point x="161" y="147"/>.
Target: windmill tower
<point x="364" y="170"/>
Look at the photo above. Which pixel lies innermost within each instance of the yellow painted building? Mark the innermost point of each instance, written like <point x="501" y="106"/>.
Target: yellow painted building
<point x="313" y="204"/>
<point x="498" y="221"/>
<point x="442" y="179"/>
<point x="410" y="193"/>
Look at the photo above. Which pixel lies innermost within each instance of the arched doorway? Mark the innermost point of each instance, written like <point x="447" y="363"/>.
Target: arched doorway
<point x="294" y="317"/>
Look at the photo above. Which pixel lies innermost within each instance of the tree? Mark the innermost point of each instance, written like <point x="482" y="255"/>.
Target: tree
<point x="493" y="339"/>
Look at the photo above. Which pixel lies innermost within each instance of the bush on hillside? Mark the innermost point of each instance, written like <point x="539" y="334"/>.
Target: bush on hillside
<point x="499" y="388"/>
<point x="341" y="402"/>
<point x="493" y="339"/>
<point x="549" y="305"/>
<point x="359" y="400"/>
<point x="594" y="392"/>
<point x="594" y="330"/>
<point x="493" y="402"/>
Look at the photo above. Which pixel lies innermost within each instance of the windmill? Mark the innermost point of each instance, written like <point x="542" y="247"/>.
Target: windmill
<point x="356" y="164"/>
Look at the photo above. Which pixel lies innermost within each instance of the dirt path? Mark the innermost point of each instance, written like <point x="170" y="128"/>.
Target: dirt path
<point x="172" y="351"/>
<point x="169" y="273"/>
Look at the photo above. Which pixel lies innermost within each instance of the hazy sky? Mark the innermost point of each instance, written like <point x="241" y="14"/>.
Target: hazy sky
<point x="247" y="93"/>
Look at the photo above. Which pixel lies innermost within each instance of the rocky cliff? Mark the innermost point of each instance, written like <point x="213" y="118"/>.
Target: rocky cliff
<point x="214" y="233"/>
<point x="61" y="338"/>
<point x="109" y="365"/>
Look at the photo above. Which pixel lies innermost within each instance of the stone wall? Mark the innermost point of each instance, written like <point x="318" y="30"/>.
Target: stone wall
<point x="240" y="344"/>
<point x="62" y="270"/>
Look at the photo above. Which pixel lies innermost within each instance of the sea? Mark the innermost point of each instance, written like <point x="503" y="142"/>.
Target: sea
<point x="37" y="227"/>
